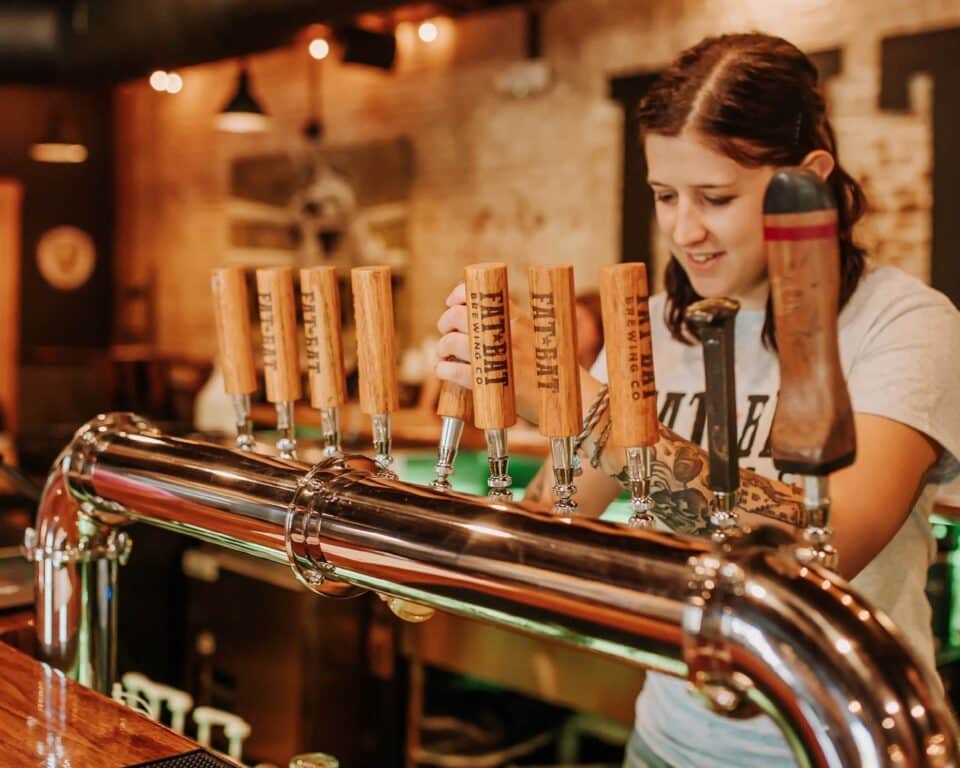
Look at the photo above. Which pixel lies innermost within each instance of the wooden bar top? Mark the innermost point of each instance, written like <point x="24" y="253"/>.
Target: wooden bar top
<point x="48" y="719"/>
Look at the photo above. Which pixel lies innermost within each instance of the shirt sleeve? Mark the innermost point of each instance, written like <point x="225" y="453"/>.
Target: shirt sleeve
<point x="907" y="368"/>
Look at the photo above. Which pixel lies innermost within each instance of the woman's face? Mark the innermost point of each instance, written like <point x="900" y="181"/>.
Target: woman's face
<point x="710" y="208"/>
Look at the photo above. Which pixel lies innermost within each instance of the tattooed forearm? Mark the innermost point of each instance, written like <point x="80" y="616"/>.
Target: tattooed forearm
<point x="762" y="496"/>
<point x="537" y="494"/>
<point x="681" y="491"/>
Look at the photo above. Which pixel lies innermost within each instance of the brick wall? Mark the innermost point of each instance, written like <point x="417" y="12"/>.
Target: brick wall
<point x="521" y="180"/>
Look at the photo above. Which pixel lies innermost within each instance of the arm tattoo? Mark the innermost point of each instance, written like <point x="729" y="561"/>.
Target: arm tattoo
<point x="681" y="491"/>
<point x="536" y="494"/>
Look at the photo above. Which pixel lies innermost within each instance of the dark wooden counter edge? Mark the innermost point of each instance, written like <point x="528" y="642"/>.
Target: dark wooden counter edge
<point x="48" y="719"/>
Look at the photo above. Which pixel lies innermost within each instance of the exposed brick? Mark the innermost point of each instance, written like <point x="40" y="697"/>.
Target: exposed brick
<point x="525" y="181"/>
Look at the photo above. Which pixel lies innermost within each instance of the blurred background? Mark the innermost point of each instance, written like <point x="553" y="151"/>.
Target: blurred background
<point x="143" y="144"/>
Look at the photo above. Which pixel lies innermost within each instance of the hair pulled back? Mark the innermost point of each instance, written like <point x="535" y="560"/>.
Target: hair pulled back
<point x="755" y="98"/>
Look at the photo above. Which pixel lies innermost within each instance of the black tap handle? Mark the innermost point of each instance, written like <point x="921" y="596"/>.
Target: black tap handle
<point x="712" y="321"/>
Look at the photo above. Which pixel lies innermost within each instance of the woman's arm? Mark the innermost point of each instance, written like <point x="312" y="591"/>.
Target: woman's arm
<point x="680" y="486"/>
<point x="871" y="499"/>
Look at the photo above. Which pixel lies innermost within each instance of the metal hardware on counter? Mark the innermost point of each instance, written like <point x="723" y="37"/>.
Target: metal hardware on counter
<point x="287" y="437"/>
<point x="451" y="430"/>
<point x="382" y="444"/>
<point x="563" y="459"/>
<point x="706" y="650"/>
<point x="499" y="482"/>
<point x="455" y="408"/>
<point x="330" y="428"/>
<point x="116" y="546"/>
<point x="241" y="411"/>
<point x="303" y="534"/>
<point x="754" y="622"/>
<point x="818" y="535"/>
<point x="638" y="473"/>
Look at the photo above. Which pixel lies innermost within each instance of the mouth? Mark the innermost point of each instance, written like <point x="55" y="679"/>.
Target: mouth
<point x="702" y="258"/>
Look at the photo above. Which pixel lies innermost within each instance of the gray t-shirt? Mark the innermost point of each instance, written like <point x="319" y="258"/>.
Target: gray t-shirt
<point x="900" y="351"/>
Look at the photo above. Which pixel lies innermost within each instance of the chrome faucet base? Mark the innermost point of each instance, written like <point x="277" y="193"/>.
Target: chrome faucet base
<point x="818" y="534"/>
<point x="499" y="483"/>
<point x="564" y="469"/>
<point x="724" y="517"/>
<point x="241" y="411"/>
<point x="641" y="507"/>
<point x="287" y="442"/>
<point x="383" y="444"/>
<point x="639" y="473"/>
<point x="450" y="433"/>
<point x="330" y="428"/>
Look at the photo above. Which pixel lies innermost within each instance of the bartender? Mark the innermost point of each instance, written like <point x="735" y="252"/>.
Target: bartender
<point x="715" y="126"/>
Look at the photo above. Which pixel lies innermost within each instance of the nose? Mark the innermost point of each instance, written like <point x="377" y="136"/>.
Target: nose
<point x="688" y="226"/>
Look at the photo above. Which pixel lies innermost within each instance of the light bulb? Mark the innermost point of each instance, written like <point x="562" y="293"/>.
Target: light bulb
<point x="159" y="80"/>
<point x="428" y="31"/>
<point x="319" y="48"/>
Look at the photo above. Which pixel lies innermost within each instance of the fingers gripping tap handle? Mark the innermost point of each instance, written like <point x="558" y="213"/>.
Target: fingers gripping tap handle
<point x="713" y="321"/>
<point x="454" y="409"/>
<point x="558" y="375"/>
<point x="630" y="378"/>
<point x="813" y="430"/>
<point x="235" y="339"/>
<point x="320" y="294"/>
<point x="376" y="353"/>
<point x="491" y="365"/>
<point x="281" y="359"/>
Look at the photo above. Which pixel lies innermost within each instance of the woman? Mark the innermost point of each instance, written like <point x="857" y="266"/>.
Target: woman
<point x="717" y="124"/>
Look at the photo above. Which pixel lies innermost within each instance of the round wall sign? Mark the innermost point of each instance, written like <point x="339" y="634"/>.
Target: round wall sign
<point x="66" y="257"/>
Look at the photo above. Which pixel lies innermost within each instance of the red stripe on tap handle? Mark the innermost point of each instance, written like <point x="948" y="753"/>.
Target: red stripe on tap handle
<point x="811" y="232"/>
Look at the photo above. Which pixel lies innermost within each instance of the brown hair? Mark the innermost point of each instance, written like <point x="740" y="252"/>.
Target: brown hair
<point x="757" y="100"/>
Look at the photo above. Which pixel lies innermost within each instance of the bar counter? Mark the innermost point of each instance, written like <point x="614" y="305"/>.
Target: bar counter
<point x="47" y="719"/>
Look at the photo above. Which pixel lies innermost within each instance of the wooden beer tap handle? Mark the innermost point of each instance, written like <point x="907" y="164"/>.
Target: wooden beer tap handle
<point x="455" y="401"/>
<point x="376" y="339"/>
<point x="555" y="350"/>
<point x="320" y="296"/>
<point x="231" y="307"/>
<point x="629" y="349"/>
<point x="278" y="325"/>
<point x="491" y="356"/>
<point x="813" y="431"/>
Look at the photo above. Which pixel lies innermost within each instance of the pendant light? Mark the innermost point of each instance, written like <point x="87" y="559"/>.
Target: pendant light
<point x="243" y="113"/>
<point x="325" y="205"/>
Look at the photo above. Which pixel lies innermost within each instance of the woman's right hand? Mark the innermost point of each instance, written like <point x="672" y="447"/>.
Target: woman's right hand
<point x="454" y="351"/>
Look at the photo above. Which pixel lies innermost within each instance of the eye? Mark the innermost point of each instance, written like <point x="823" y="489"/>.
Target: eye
<point x="663" y="196"/>
<point x="718" y="200"/>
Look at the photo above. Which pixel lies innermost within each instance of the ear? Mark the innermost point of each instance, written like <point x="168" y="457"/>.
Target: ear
<point x="820" y="162"/>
